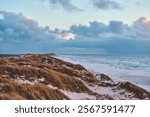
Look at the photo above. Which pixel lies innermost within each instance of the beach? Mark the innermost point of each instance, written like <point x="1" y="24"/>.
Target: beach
<point x="139" y="77"/>
<point x="51" y="77"/>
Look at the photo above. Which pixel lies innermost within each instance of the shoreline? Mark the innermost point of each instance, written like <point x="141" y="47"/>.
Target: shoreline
<point x="60" y="79"/>
<point x="116" y="73"/>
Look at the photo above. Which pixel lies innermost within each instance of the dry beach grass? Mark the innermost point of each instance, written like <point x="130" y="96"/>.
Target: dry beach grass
<point x="45" y="77"/>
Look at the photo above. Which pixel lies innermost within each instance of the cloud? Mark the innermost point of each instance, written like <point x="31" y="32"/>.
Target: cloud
<point x="68" y="5"/>
<point x="22" y="34"/>
<point x="19" y="28"/>
<point x="111" y="46"/>
<point x="138" y="30"/>
<point x="141" y="28"/>
<point x="66" y="36"/>
<point x="114" y="37"/>
<point x="65" y="4"/>
<point x="1" y="16"/>
<point x="106" y="4"/>
<point x="99" y="29"/>
<point x="94" y="29"/>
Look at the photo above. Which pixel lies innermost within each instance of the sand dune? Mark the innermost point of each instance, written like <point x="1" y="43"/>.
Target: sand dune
<point x="45" y="77"/>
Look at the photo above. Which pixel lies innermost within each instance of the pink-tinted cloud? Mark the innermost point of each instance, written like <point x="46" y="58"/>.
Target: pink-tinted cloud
<point x="19" y="33"/>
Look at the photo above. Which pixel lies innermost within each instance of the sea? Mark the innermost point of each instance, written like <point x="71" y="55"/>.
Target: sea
<point x="132" y="68"/>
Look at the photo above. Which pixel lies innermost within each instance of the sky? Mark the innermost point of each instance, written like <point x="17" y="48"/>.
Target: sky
<point x="75" y="26"/>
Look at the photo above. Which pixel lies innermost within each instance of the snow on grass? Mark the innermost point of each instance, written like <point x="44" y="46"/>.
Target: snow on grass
<point x="75" y="95"/>
<point x="52" y="87"/>
<point x="112" y="91"/>
<point x="41" y="79"/>
<point x="79" y="96"/>
<point x="135" y="76"/>
<point x="24" y="81"/>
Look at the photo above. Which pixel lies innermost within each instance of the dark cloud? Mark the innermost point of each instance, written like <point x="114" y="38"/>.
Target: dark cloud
<point x="141" y="28"/>
<point x="22" y="34"/>
<point x="19" y="28"/>
<point x="65" y="4"/>
<point x="106" y="4"/>
<point x="68" y="5"/>
<point x="117" y="27"/>
<point x="97" y="29"/>
<point x="109" y="46"/>
<point x="94" y="29"/>
<point x="138" y="30"/>
<point x="115" y="37"/>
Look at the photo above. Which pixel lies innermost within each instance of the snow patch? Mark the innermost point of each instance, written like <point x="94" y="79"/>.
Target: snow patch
<point x="112" y="91"/>
<point x="79" y="96"/>
<point x="41" y="79"/>
<point x="52" y="87"/>
<point x="24" y="81"/>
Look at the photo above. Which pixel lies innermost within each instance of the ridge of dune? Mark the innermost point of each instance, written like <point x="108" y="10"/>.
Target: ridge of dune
<point x="46" y="77"/>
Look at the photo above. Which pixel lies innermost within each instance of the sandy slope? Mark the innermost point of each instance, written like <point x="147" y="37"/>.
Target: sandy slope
<point x="47" y="77"/>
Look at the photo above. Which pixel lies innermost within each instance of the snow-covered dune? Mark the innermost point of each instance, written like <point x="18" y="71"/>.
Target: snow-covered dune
<point x="47" y="77"/>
